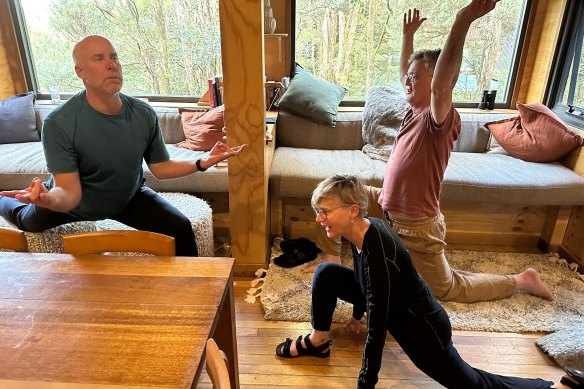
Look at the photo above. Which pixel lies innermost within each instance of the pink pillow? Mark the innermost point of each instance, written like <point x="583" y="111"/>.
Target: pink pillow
<point x="202" y="129"/>
<point x="536" y="135"/>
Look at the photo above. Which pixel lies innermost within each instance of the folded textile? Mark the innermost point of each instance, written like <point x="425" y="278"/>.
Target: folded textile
<point x="296" y="252"/>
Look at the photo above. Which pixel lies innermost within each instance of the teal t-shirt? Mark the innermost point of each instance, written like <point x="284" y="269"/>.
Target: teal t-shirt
<point x="106" y="150"/>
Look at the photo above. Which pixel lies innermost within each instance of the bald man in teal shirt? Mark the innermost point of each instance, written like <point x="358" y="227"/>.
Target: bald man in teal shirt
<point x="94" y="146"/>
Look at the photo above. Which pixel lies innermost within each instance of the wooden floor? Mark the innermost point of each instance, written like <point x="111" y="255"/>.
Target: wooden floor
<point x="501" y="353"/>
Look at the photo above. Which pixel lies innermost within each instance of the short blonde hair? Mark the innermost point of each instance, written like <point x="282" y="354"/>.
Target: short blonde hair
<point x="348" y="188"/>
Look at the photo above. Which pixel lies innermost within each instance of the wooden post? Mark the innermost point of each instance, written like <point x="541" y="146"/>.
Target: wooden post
<point x="12" y="78"/>
<point x="243" y="76"/>
<point x="572" y="247"/>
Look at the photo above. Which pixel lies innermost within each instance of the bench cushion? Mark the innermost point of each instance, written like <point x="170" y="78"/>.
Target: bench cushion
<point x="502" y="179"/>
<point x="470" y="177"/>
<point x="295" y="131"/>
<point x="296" y="172"/>
<point x="214" y="179"/>
<point x="21" y="162"/>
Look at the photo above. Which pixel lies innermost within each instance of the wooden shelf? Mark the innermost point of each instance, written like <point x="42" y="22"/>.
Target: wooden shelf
<point x="273" y="84"/>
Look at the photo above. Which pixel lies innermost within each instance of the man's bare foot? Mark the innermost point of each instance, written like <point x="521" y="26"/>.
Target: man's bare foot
<point x="529" y="281"/>
<point x="327" y="258"/>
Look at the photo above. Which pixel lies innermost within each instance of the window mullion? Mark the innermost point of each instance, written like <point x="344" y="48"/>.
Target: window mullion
<point x="575" y="54"/>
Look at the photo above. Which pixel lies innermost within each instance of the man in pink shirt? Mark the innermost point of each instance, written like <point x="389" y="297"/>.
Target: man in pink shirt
<point x="409" y="199"/>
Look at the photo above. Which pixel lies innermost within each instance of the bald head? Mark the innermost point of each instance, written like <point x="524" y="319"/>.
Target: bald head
<point x="81" y="48"/>
<point x="96" y="63"/>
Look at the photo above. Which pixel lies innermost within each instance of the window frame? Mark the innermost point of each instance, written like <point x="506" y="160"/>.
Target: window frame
<point x="518" y="55"/>
<point x="574" y="13"/>
<point x="24" y="48"/>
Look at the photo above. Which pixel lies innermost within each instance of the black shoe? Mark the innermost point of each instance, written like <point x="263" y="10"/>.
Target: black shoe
<point x="301" y="244"/>
<point x="296" y="252"/>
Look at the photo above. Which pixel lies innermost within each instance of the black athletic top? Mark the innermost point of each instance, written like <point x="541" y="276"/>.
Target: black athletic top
<point x="391" y="285"/>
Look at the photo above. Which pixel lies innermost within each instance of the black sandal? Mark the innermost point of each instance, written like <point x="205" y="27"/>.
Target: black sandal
<point x="283" y="349"/>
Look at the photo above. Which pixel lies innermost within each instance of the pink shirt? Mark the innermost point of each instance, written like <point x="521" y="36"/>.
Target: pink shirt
<point x="415" y="170"/>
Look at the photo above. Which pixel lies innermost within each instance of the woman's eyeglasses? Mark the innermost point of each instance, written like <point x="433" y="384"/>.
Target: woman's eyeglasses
<point x="323" y="213"/>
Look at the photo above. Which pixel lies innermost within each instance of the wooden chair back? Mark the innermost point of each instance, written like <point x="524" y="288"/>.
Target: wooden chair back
<point x="11" y="239"/>
<point x="217" y="367"/>
<point x="97" y="242"/>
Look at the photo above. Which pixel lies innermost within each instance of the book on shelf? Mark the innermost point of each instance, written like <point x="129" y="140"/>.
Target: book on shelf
<point x="212" y="98"/>
<point x="219" y="89"/>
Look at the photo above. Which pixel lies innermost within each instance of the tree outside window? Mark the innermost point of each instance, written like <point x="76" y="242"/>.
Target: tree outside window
<point x="166" y="47"/>
<point x="357" y="43"/>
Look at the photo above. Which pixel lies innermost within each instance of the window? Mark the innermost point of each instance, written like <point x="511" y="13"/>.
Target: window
<point x="166" y="47"/>
<point x="357" y="43"/>
<point x="567" y="82"/>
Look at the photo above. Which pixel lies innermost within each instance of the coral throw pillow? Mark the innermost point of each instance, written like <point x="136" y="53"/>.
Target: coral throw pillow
<point x="202" y="129"/>
<point x="536" y="135"/>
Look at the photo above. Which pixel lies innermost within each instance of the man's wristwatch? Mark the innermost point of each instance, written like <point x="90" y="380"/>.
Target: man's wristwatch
<point x="199" y="167"/>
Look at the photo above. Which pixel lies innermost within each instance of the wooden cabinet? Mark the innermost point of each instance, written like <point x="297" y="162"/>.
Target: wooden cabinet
<point x="277" y="56"/>
<point x="572" y="247"/>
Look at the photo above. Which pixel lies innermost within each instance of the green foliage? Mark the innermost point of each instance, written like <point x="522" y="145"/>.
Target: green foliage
<point x="370" y="56"/>
<point x="173" y="46"/>
<point x="165" y="46"/>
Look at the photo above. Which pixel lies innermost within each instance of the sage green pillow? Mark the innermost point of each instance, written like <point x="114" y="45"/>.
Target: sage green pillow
<point x="312" y="97"/>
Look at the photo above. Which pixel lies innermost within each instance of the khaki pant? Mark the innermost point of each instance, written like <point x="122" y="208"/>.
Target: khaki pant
<point x="424" y="239"/>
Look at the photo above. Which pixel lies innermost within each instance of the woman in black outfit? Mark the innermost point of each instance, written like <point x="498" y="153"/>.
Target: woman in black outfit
<point x="385" y="284"/>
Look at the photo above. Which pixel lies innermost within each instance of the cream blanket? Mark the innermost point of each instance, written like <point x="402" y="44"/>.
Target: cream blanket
<point x="384" y="110"/>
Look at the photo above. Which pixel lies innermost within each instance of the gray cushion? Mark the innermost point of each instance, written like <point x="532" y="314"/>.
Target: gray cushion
<point x="18" y="120"/>
<point x="474" y="137"/>
<point x="312" y="97"/>
<point x="20" y="163"/>
<point x="214" y="179"/>
<point x="296" y="131"/>
<point x="502" y="179"/>
<point x="470" y="177"/>
<point x="170" y="125"/>
<point x="296" y="172"/>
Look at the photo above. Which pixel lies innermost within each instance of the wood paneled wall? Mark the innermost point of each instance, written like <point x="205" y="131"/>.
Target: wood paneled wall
<point x="12" y="78"/>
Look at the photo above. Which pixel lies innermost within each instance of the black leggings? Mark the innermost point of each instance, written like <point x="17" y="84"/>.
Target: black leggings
<point x="426" y="340"/>
<point x="147" y="211"/>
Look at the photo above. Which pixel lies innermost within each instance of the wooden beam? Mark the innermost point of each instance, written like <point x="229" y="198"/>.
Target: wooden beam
<point x="12" y="79"/>
<point x="573" y="243"/>
<point x="243" y="76"/>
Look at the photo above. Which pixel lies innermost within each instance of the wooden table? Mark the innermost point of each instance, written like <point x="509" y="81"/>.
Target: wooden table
<point x="102" y="321"/>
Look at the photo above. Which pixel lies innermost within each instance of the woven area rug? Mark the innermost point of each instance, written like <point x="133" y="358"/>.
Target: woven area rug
<point x="286" y="293"/>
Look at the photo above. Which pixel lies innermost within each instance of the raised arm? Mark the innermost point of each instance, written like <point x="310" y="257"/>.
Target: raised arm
<point x="411" y="24"/>
<point x="450" y="59"/>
